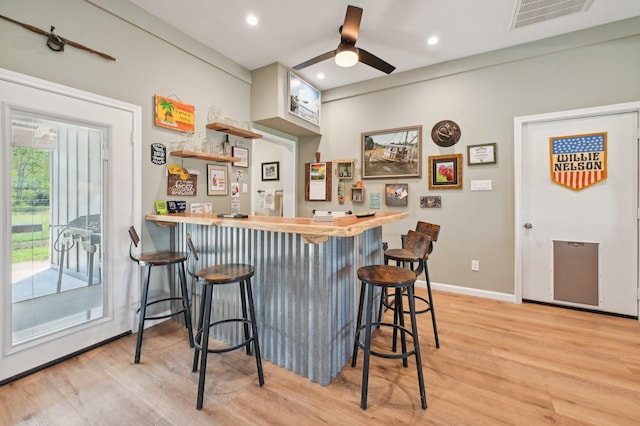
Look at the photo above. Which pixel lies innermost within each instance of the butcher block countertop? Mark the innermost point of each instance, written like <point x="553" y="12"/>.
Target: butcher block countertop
<point x="343" y="226"/>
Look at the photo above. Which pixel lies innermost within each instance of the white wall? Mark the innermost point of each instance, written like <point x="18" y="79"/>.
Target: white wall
<point x="483" y="95"/>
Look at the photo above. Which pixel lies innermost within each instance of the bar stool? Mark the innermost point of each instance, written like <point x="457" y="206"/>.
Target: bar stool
<point x="400" y="280"/>
<point x="406" y="256"/>
<point x="233" y="273"/>
<point x="149" y="260"/>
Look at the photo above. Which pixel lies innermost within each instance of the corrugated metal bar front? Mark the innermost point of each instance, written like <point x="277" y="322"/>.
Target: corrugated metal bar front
<point x="305" y="294"/>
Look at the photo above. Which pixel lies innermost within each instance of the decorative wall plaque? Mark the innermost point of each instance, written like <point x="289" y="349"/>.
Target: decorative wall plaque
<point x="445" y="133"/>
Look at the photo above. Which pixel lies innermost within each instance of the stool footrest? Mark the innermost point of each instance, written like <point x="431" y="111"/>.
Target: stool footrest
<point x="403" y="355"/>
<point x="227" y="348"/>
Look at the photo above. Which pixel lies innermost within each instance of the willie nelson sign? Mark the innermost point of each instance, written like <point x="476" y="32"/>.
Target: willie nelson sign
<point x="578" y="161"/>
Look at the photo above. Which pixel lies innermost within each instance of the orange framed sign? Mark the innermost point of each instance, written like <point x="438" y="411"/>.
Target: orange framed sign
<point x="174" y="115"/>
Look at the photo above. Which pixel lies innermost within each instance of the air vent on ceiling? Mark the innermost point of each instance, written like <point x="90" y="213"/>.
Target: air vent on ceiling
<point x="533" y="11"/>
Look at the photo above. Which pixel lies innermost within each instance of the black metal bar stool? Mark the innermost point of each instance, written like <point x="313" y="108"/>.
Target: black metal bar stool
<point x="232" y="273"/>
<point x="149" y="260"/>
<point x="400" y="280"/>
<point x="404" y="256"/>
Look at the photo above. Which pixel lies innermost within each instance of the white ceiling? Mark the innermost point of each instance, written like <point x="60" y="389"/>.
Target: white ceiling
<point x="291" y="32"/>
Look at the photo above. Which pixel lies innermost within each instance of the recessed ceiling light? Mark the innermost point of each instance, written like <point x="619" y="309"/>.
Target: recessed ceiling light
<point x="432" y="40"/>
<point x="320" y="76"/>
<point x="252" y="20"/>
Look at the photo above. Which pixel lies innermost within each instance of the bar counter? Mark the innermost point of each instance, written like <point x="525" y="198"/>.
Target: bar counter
<point x="305" y="285"/>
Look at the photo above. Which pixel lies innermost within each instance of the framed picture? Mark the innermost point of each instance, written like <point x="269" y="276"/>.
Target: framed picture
<point x="242" y="154"/>
<point x="396" y="194"/>
<point x="217" y="178"/>
<point x="481" y="154"/>
<point x="445" y="171"/>
<point x="304" y="99"/>
<point x="392" y="153"/>
<point x="430" y="202"/>
<point x="271" y="171"/>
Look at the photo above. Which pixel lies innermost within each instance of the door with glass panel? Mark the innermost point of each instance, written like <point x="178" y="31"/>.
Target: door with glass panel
<point x="64" y="206"/>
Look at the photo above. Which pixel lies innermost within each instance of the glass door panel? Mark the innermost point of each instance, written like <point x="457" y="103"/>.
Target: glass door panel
<point x="56" y="225"/>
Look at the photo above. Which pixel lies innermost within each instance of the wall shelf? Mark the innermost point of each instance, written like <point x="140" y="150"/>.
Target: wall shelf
<point x="225" y="128"/>
<point x="205" y="156"/>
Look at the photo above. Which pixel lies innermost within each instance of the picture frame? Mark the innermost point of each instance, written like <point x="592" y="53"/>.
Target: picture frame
<point x="445" y="171"/>
<point x="217" y="179"/>
<point x="430" y="202"/>
<point x="392" y="153"/>
<point x="271" y="171"/>
<point x="396" y="194"/>
<point x="242" y="154"/>
<point x="481" y="154"/>
<point x="304" y="99"/>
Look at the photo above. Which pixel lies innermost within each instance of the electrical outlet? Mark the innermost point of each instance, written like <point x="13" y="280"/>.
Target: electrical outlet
<point x="475" y="265"/>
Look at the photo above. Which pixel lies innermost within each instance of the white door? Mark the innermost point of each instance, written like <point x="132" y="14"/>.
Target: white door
<point x="72" y="287"/>
<point x="559" y="226"/>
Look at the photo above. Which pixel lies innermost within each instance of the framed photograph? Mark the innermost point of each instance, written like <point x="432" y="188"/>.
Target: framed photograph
<point x="271" y="171"/>
<point x="481" y="154"/>
<point x="242" y="154"/>
<point x="217" y="179"/>
<point x="392" y="153"/>
<point x="304" y="99"/>
<point x="396" y="194"/>
<point x="445" y="171"/>
<point x="430" y="202"/>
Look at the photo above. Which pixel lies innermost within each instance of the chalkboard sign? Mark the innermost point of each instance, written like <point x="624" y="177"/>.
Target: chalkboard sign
<point x="181" y="188"/>
<point x="158" y="154"/>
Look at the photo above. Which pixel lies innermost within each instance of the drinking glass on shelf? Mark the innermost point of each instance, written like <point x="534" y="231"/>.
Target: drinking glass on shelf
<point x="214" y="115"/>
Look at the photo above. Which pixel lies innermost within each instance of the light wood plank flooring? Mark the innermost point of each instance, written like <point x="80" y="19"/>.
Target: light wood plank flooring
<point x="499" y="363"/>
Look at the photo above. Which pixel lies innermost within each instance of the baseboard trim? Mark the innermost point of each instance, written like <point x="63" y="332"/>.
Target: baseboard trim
<point x="505" y="297"/>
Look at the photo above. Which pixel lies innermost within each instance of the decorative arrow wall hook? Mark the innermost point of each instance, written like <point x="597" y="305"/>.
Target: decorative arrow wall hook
<point x="56" y="42"/>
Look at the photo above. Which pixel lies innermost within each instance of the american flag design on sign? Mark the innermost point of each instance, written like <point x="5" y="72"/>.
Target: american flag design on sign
<point x="578" y="161"/>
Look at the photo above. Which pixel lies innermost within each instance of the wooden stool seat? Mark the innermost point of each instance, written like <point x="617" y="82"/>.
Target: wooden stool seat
<point x="226" y="273"/>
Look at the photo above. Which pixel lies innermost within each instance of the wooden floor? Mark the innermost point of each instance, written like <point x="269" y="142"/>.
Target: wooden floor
<point x="499" y="363"/>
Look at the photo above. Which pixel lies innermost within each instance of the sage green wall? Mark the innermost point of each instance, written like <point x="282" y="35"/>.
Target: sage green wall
<point x="483" y="98"/>
<point x="146" y="65"/>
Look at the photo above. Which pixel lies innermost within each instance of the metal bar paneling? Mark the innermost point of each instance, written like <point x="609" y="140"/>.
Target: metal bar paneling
<point x="305" y="294"/>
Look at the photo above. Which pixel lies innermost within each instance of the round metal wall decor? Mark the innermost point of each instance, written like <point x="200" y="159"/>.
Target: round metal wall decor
<point x="445" y="133"/>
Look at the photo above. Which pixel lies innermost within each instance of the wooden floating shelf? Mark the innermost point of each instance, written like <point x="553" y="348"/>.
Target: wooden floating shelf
<point x="225" y="128"/>
<point x="205" y="156"/>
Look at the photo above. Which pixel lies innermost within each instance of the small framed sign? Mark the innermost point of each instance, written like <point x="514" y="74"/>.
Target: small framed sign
<point x="481" y="154"/>
<point x="216" y="180"/>
<point x="242" y="154"/>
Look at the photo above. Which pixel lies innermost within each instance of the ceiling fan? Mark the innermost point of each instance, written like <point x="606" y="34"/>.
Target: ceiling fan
<point x="347" y="54"/>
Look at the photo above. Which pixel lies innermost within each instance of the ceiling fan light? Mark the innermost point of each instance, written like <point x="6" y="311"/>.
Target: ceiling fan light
<point x="346" y="55"/>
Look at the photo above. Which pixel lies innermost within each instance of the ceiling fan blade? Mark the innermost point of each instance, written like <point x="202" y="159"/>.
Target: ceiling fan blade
<point x="351" y="27"/>
<point x="315" y="60"/>
<point x="375" y="62"/>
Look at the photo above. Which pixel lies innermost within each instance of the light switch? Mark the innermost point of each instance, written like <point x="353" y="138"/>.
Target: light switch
<point x="481" y="185"/>
<point x="244" y="188"/>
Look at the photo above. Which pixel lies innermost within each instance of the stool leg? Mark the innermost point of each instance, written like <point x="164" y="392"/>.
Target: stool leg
<point x="433" y="312"/>
<point x="254" y="326"/>
<point x="367" y="348"/>
<point x="204" y="345"/>
<point x="142" y="315"/>
<point x="243" y="302"/>
<point x="416" y="344"/>
<point x="198" y="342"/>
<point x="354" y="357"/>
<point x="403" y="335"/>
<point x="186" y="303"/>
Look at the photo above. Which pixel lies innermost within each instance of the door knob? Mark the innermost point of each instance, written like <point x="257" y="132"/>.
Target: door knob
<point x="528" y="225"/>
